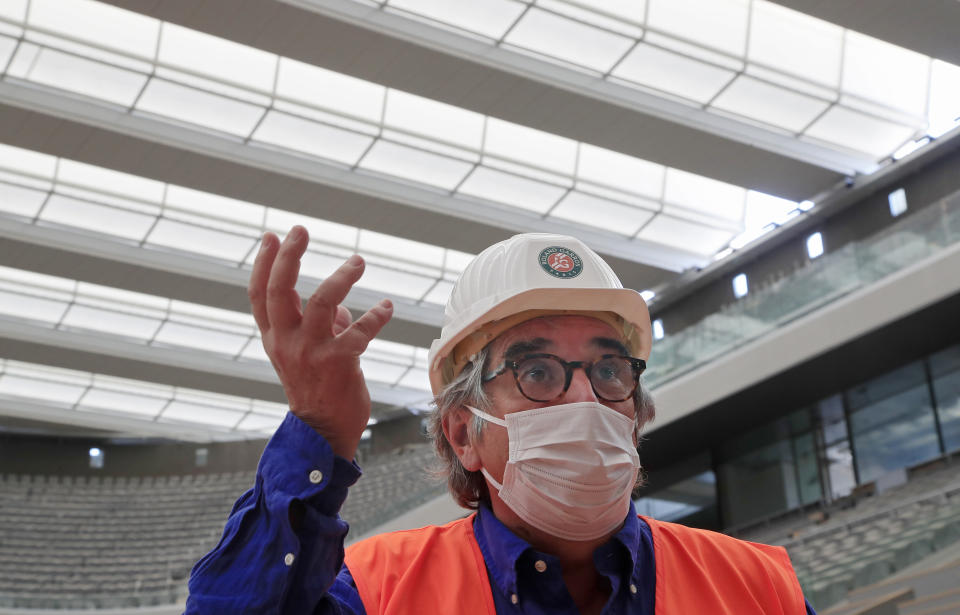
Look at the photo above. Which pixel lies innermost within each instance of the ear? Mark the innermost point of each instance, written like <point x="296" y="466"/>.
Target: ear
<point x="459" y="433"/>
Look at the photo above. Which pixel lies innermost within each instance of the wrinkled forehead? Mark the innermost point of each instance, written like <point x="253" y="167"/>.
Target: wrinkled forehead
<point x="558" y="335"/>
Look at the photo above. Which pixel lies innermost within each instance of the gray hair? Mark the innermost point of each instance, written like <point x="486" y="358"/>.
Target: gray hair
<point x="470" y="488"/>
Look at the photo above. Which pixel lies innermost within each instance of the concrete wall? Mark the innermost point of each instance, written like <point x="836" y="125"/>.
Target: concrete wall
<point x="70" y="456"/>
<point x="29" y="454"/>
<point x="866" y="217"/>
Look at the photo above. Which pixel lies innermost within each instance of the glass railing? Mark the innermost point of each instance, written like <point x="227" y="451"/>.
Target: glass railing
<point x="823" y="281"/>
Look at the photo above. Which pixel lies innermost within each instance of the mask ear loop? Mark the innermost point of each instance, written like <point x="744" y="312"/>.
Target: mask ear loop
<point x="487" y="417"/>
<point x="490" y="419"/>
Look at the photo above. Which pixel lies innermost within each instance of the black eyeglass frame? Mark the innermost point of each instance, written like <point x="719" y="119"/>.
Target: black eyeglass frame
<point x="637" y="365"/>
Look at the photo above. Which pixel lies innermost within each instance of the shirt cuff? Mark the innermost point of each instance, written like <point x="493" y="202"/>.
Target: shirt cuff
<point x="300" y="463"/>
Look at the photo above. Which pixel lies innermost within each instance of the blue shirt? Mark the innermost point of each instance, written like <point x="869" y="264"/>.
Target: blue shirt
<point x="282" y="548"/>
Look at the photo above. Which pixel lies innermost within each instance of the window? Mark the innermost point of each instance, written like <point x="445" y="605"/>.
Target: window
<point x="837" y="457"/>
<point x="692" y="501"/>
<point x="658" y="329"/>
<point x="769" y="470"/>
<point x="892" y="422"/>
<point x="740" y="288"/>
<point x="898" y="202"/>
<point x="201" y="455"/>
<point x="815" y="245"/>
<point x="945" y="370"/>
<point x="96" y="458"/>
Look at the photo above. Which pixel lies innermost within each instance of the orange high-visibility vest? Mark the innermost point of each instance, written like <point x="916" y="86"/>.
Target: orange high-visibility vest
<point x="440" y="570"/>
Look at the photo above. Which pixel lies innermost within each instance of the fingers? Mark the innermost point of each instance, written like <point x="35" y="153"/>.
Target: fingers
<point x="257" y="289"/>
<point x="322" y="307"/>
<point x="342" y="320"/>
<point x="358" y="335"/>
<point x="283" y="302"/>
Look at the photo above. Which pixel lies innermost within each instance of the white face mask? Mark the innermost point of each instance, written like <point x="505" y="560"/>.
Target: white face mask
<point x="571" y="468"/>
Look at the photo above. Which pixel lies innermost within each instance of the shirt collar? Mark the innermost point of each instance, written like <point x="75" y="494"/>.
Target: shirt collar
<point x="502" y="549"/>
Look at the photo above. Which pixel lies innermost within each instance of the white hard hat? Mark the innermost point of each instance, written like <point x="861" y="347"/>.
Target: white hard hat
<point x="526" y="276"/>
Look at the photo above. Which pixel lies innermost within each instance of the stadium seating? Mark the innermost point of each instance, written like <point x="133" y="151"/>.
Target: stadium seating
<point x="400" y="478"/>
<point x="109" y="542"/>
<point x="865" y="541"/>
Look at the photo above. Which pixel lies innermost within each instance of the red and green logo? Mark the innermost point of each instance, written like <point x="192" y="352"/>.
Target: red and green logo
<point x="561" y="262"/>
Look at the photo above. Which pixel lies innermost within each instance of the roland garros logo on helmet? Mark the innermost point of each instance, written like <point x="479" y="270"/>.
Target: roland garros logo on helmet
<point x="561" y="262"/>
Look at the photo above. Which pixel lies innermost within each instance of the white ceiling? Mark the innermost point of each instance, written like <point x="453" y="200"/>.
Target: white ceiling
<point x="143" y="152"/>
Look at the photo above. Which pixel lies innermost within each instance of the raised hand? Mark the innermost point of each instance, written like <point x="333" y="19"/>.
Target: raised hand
<point x="315" y="350"/>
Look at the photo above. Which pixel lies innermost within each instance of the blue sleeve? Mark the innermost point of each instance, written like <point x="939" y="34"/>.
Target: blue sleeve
<point x="282" y="548"/>
<point x="810" y="610"/>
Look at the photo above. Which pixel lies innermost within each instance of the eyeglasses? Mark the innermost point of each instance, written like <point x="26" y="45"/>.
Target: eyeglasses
<point x="545" y="377"/>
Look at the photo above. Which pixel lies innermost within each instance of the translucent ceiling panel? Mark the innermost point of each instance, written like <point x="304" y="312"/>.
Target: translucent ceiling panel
<point x="456" y="261"/>
<point x="97" y="23"/>
<point x="514" y="142"/>
<point x="341" y="235"/>
<point x="30" y="307"/>
<point x="110" y="181"/>
<point x="200" y="337"/>
<point x="436" y="120"/>
<point x="715" y="198"/>
<point x="201" y="108"/>
<point x="490" y="18"/>
<point x="312" y="85"/>
<point x="14" y="9"/>
<point x="90" y="393"/>
<point x="310" y="137"/>
<point x="139" y="402"/>
<point x="260" y="423"/>
<point x="194" y="412"/>
<point x="673" y="73"/>
<point x="511" y="189"/>
<point x="223" y="209"/>
<point x="195" y="51"/>
<point x="382" y="371"/>
<point x="415" y="164"/>
<point x="8" y="45"/>
<point x="610" y="216"/>
<point x="254" y="351"/>
<point x="20" y="201"/>
<point x="620" y="171"/>
<point x="565" y="39"/>
<point x="416" y="379"/>
<point x="440" y="293"/>
<point x="400" y="249"/>
<point x="191" y="237"/>
<point x="856" y="131"/>
<point x="885" y="73"/>
<point x="688" y="235"/>
<point x="944" y="97"/>
<point x="96" y="217"/>
<point x="27" y="161"/>
<point x="764" y="209"/>
<point x="795" y="43"/>
<point x="619" y="16"/>
<point x="719" y="24"/>
<point x="400" y="283"/>
<point x="81" y="75"/>
<point x="756" y="100"/>
<point x="113" y="322"/>
<point x="42" y="389"/>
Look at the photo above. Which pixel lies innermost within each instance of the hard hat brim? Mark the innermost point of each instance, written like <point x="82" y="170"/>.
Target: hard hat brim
<point x="624" y="302"/>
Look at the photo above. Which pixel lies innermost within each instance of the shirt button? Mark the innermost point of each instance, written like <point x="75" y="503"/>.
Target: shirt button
<point x="633" y="588"/>
<point x="514" y="598"/>
<point x="540" y="565"/>
<point x="288" y="559"/>
<point x="316" y="476"/>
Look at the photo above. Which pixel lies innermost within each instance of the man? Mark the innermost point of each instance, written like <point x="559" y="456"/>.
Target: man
<point x="539" y="407"/>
